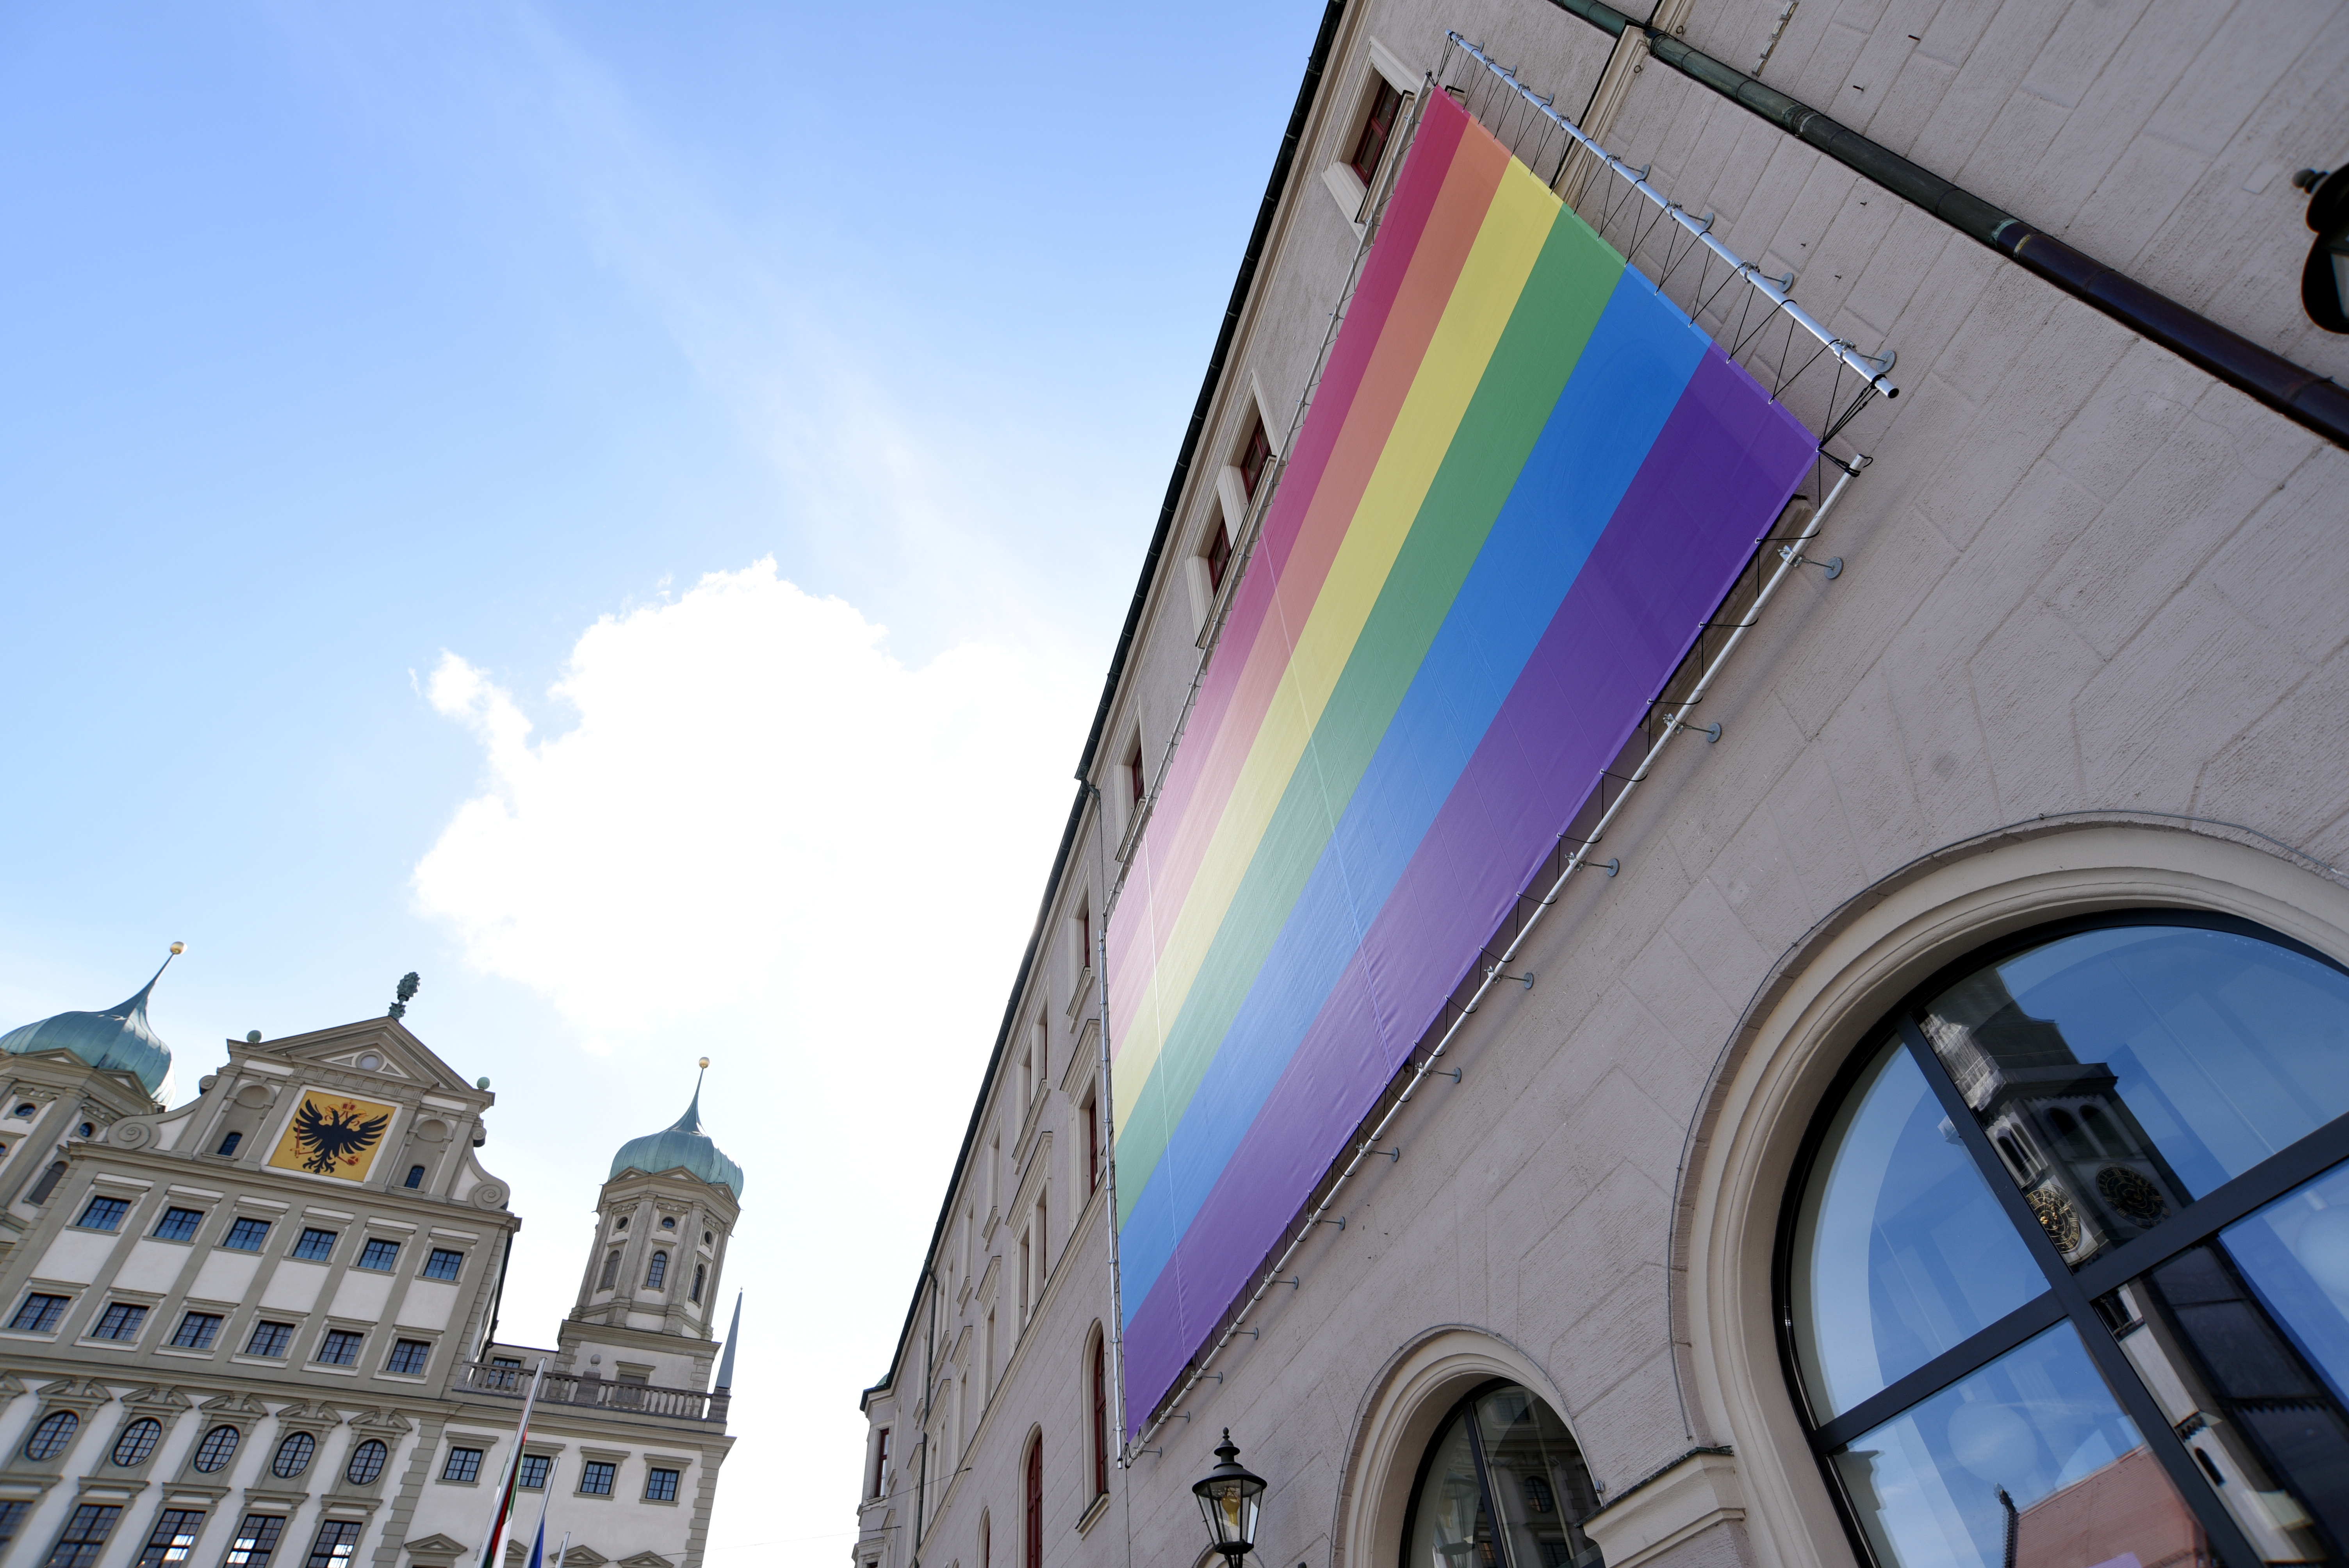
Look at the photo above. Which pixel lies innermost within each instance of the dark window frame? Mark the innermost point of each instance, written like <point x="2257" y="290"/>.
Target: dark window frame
<point x="58" y="1439"/>
<point x="219" y="1451"/>
<point x="140" y="1436"/>
<point x="178" y="1224"/>
<point x="653" y="1493"/>
<point x="84" y="1537"/>
<point x="1371" y="141"/>
<point x="375" y="1452"/>
<point x="48" y="1314"/>
<point x="116" y="1210"/>
<point x="281" y="1340"/>
<point x="204" y="1326"/>
<point x="597" y="1477"/>
<point x="120" y="1320"/>
<point x="246" y="1234"/>
<point x="416" y="1353"/>
<point x="380" y="1255"/>
<point x="256" y="1541"/>
<point x="173" y="1538"/>
<point x="339" y="1339"/>
<point x="470" y="1464"/>
<point x="435" y="1268"/>
<point x="310" y="1249"/>
<point x="2071" y="1296"/>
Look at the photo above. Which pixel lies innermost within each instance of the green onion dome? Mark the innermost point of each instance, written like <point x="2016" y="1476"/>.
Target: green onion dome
<point x="682" y="1144"/>
<point x="119" y="1037"/>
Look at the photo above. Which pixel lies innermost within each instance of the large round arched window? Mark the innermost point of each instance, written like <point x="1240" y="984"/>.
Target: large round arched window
<point x="2064" y="1276"/>
<point x="1502" y="1486"/>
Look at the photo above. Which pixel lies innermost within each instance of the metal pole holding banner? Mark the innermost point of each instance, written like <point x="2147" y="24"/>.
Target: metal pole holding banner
<point x="514" y="1471"/>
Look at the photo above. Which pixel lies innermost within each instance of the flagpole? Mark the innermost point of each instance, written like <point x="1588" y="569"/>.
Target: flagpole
<point x="546" y="1505"/>
<point x="514" y="1471"/>
<point x="563" y="1551"/>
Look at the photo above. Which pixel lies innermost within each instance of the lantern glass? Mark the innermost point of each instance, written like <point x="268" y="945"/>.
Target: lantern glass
<point x="1228" y="1501"/>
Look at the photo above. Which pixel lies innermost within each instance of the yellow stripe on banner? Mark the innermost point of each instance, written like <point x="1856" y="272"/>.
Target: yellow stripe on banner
<point x="1508" y="242"/>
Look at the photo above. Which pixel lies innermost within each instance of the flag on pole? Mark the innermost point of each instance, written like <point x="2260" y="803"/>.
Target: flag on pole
<point x="514" y="1472"/>
<point x="538" y="1547"/>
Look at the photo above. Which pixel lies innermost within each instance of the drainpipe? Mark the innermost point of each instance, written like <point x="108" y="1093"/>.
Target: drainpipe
<point x="2291" y="390"/>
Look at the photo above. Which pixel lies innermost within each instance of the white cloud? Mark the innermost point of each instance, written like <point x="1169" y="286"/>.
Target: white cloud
<point x="757" y="803"/>
<point x="766" y="839"/>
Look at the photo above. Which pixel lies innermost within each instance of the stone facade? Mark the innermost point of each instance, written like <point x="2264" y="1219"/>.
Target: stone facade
<point x="310" y="1326"/>
<point x="2085" y="654"/>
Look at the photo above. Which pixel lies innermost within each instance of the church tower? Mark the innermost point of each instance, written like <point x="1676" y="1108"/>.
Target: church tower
<point x="648" y="1289"/>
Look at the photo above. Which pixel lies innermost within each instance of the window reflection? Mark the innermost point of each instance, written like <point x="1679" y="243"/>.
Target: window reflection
<point x="2028" y="1463"/>
<point x="1504" y="1486"/>
<point x="2122" y="1073"/>
<point x="2242" y="1343"/>
<point x="1901" y="1251"/>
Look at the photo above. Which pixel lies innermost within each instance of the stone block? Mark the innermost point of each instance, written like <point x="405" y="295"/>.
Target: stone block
<point x="2285" y="570"/>
<point x="2283" y="774"/>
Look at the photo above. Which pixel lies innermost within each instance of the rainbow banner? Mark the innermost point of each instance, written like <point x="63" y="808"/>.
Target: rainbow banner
<point x="1525" y="480"/>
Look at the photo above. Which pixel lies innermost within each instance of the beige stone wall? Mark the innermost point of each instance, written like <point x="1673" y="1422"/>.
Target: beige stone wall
<point x="2089" y="618"/>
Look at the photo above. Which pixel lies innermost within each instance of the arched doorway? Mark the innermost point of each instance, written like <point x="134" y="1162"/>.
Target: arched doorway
<point x="1502" y="1485"/>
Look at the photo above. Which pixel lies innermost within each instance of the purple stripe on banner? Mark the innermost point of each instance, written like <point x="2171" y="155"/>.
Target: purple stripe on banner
<point x="1724" y="466"/>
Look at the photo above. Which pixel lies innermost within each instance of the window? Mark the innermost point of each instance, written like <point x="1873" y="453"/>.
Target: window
<point x="228" y="1145"/>
<point x="294" y="1455"/>
<point x="218" y="1447"/>
<point x="84" y="1536"/>
<point x="26" y="1109"/>
<point x="2006" y="1285"/>
<point x="11" y="1520"/>
<point x="408" y="1356"/>
<point x="255" y="1539"/>
<point x="47" y="1184"/>
<point x="611" y="1269"/>
<point x="706" y="1238"/>
<point x="1093" y="1145"/>
<point x="1377" y="126"/>
<point x="622" y="1225"/>
<point x="657" y="1271"/>
<point x="1032" y="1548"/>
<point x="462" y="1464"/>
<point x="881" y="1465"/>
<point x="39" y="1314"/>
<point x="366" y="1462"/>
<point x="1100" y="1413"/>
<point x="120" y="1320"/>
<point x="415" y="1176"/>
<point x="340" y="1347"/>
<point x="196" y="1331"/>
<point x="379" y="1254"/>
<point x="444" y="1264"/>
<point x="103" y="1214"/>
<point x="1136" y="790"/>
<point x="1497" y="1466"/>
<point x="700" y="1272"/>
<point x="178" y="1224"/>
<point x="316" y="1245"/>
<point x="668" y="1223"/>
<point x="173" y="1537"/>
<point x="50" y="1437"/>
<point x="338" y="1540"/>
<point x="1256" y="456"/>
<point x="660" y="1485"/>
<point x="87" y="1130"/>
<point x="136" y="1442"/>
<point x="595" y="1478"/>
<point x="269" y="1339"/>
<point x="534" y="1471"/>
<point x="511" y="1361"/>
<point x="246" y="1235"/>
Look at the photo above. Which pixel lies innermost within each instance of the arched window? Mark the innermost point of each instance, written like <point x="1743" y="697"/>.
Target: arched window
<point x="611" y="1269"/>
<point x="366" y="1463"/>
<point x="50" y="1438"/>
<point x="217" y="1449"/>
<point x="2138" y="1344"/>
<point x="1098" y="1404"/>
<point x="1503" y="1483"/>
<point x="138" y="1441"/>
<point x="657" y="1271"/>
<point x="1032" y="1548"/>
<point x="47" y="1184"/>
<point x="700" y="1273"/>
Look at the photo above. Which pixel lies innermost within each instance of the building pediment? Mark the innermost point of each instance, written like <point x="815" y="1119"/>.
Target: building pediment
<point x="376" y="1052"/>
<point x="234" y="1405"/>
<point x="436" y="1549"/>
<point x="646" y="1559"/>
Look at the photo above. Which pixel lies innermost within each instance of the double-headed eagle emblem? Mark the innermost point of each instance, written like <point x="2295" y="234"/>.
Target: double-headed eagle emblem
<point x="329" y="1135"/>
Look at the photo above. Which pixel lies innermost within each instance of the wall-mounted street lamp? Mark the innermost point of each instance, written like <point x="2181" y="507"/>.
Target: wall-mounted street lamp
<point x="1228" y="1501"/>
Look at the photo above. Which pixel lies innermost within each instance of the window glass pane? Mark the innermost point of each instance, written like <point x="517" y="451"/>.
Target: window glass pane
<point x="1900" y="1250"/>
<point x="2032" y="1443"/>
<point x="1449" y="1528"/>
<point x="2242" y="1345"/>
<point x="2123" y="1073"/>
<point x="1538" y="1485"/>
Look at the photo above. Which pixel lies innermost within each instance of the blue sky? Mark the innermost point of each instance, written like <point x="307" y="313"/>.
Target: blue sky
<point x="457" y="466"/>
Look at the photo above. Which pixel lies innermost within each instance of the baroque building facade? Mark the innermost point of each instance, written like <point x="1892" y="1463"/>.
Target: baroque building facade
<point x="1901" y="1123"/>
<point x="261" y="1327"/>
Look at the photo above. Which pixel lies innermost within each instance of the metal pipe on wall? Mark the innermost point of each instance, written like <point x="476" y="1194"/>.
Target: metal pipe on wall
<point x="2293" y="390"/>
